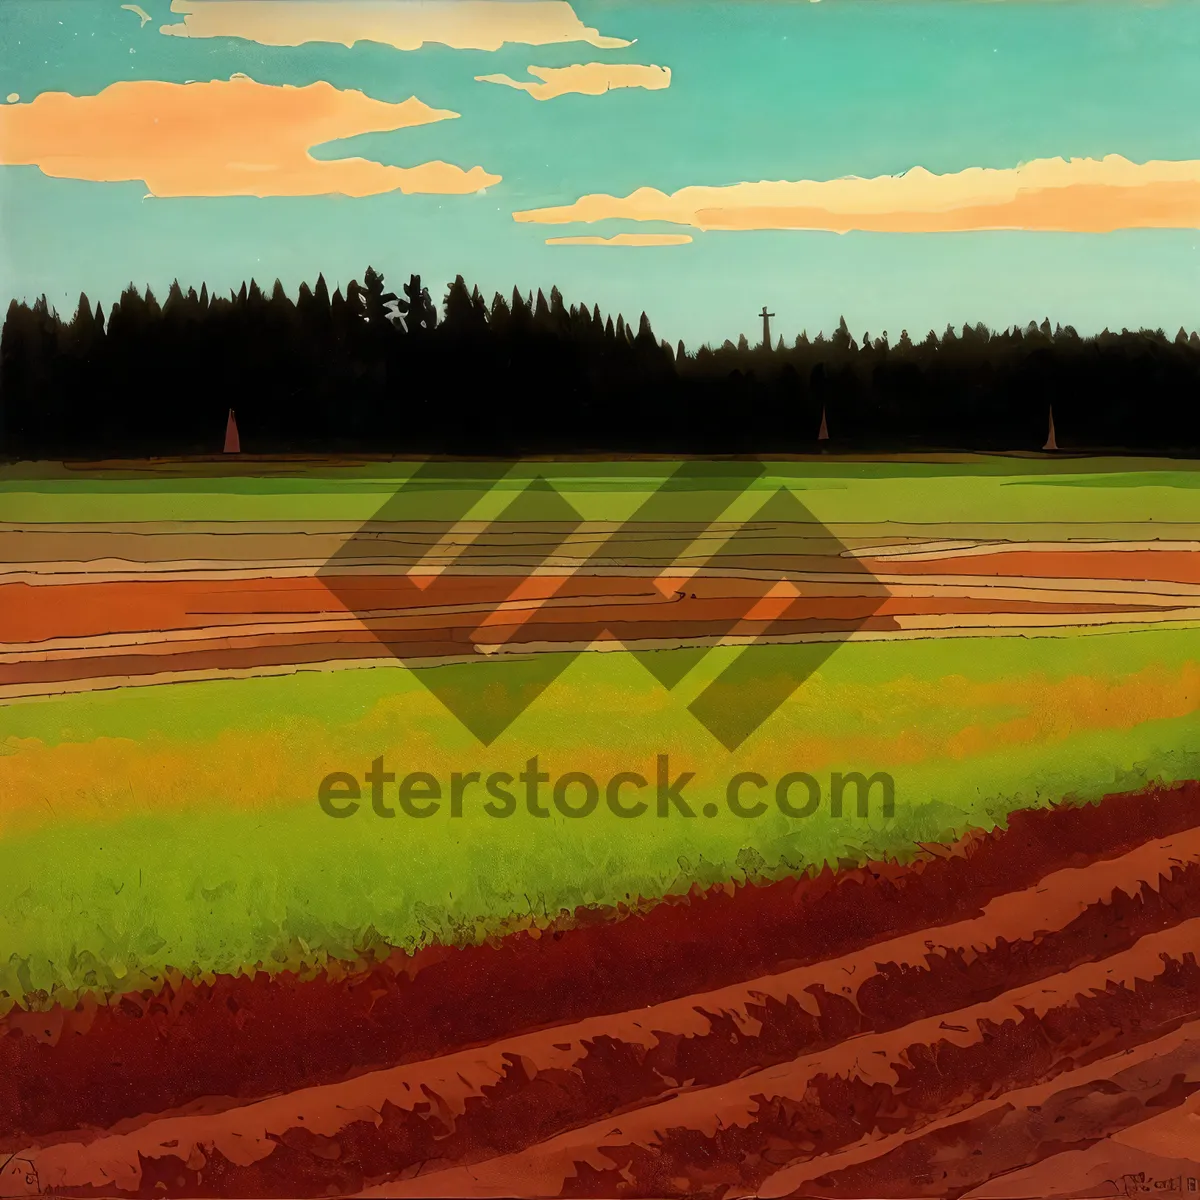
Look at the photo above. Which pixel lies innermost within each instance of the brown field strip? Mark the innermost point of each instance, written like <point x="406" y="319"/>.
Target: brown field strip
<point x="1144" y="902"/>
<point x="1107" y="1099"/>
<point x="103" y="610"/>
<point x="249" y="1035"/>
<point x="875" y="1062"/>
<point x="1028" y="1126"/>
<point x="421" y="602"/>
<point x="249" y="651"/>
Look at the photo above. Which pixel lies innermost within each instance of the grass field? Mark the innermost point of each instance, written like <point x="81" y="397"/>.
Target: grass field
<point x="176" y="825"/>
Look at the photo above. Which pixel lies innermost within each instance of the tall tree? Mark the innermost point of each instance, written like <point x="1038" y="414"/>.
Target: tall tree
<point x="415" y="307"/>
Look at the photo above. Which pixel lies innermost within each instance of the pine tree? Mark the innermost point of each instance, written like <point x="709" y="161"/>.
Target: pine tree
<point x="377" y="303"/>
<point x="458" y="307"/>
<point x="558" y="313"/>
<point x="522" y="312"/>
<point x="416" y="309"/>
<point x="321" y="302"/>
<point x="498" y="318"/>
<point x="479" y="307"/>
<point x="84" y="322"/>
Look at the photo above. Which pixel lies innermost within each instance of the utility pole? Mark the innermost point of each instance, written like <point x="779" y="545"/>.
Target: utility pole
<point x="766" y="318"/>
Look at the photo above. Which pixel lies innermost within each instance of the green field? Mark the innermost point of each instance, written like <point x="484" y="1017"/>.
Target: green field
<point x="177" y="826"/>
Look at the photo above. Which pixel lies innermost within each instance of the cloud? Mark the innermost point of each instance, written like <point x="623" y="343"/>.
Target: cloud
<point x="624" y="239"/>
<point x="404" y="24"/>
<point x="224" y="138"/>
<point x="585" y="79"/>
<point x="1050" y="194"/>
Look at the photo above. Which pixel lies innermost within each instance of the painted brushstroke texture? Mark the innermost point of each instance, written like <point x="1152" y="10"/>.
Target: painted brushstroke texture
<point x="282" y="618"/>
<point x="239" y="138"/>
<point x="1050" y="195"/>
<point x="760" y="90"/>
<point x="585" y="79"/>
<point x="403" y="24"/>
<point x="773" y="1027"/>
<point x="206" y="600"/>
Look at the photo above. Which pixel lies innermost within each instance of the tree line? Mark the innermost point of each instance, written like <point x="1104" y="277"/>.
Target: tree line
<point x="369" y="370"/>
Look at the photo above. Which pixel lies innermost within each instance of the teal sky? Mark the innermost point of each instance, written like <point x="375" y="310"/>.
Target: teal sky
<point x="773" y="90"/>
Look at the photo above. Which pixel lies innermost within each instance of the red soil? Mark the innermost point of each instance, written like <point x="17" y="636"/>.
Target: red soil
<point x="1174" y="566"/>
<point x="246" y="1037"/>
<point x="30" y="613"/>
<point x="520" y="1091"/>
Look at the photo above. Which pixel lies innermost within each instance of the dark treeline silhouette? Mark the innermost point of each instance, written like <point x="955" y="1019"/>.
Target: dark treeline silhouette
<point x="370" y="371"/>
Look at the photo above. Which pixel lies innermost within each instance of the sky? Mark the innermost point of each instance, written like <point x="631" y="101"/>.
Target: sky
<point x="905" y="165"/>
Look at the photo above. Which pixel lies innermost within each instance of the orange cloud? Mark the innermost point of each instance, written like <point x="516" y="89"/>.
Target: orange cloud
<point x="224" y="138"/>
<point x="404" y="24"/>
<point x="1052" y="194"/>
<point x="585" y="79"/>
<point x="624" y="239"/>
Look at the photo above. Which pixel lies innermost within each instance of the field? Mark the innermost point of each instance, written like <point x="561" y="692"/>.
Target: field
<point x="213" y="986"/>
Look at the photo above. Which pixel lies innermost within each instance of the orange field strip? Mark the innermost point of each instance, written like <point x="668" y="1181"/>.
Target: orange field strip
<point x="68" y="631"/>
<point x="691" y="617"/>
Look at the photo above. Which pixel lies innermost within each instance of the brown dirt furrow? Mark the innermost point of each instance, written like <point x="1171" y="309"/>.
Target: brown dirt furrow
<point x="103" y="608"/>
<point x="247" y="1036"/>
<point x="1105" y="1168"/>
<point x="426" y="633"/>
<point x="735" y="1136"/>
<point x="1022" y="1146"/>
<point x="631" y="613"/>
<point x="504" y="1098"/>
<point x="164" y="669"/>
<point x="702" y="1040"/>
<point x="282" y="651"/>
<point x="1179" y="565"/>
<point x="402" y="541"/>
<point x="234" y="649"/>
<point x="1168" y="1133"/>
